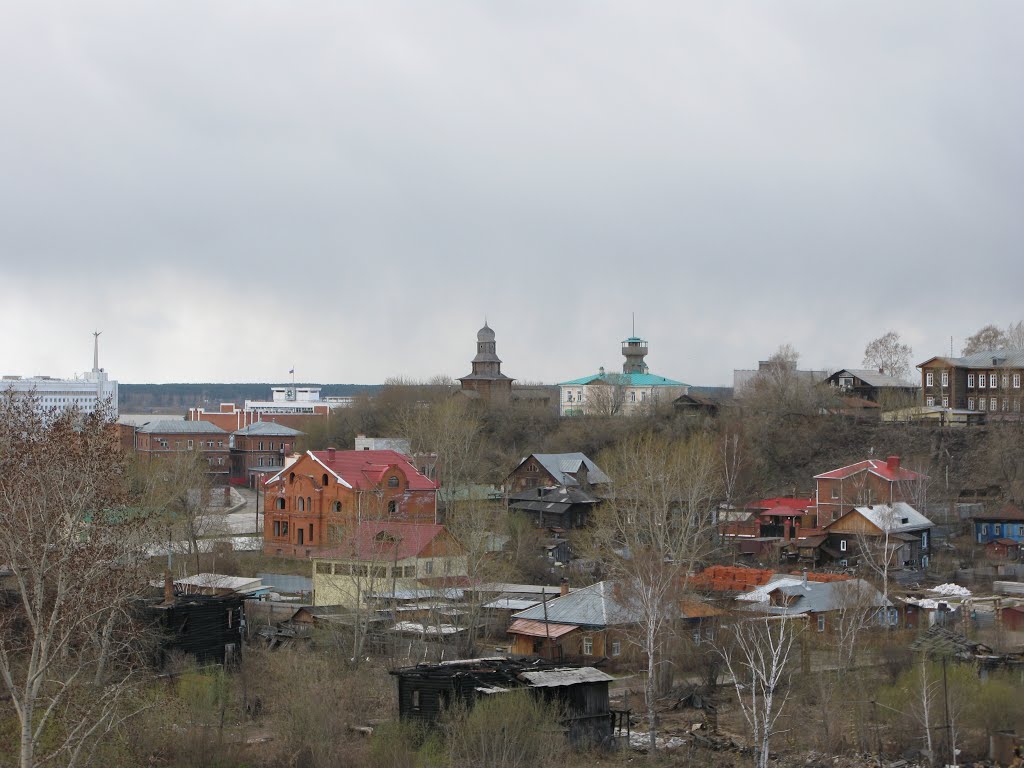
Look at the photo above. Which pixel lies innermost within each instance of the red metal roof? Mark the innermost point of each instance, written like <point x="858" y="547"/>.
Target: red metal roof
<point x="781" y="501"/>
<point x="384" y="540"/>
<point x="365" y="470"/>
<point x="889" y="470"/>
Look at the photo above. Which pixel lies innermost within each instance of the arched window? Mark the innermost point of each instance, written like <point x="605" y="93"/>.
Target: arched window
<point x="323" y="480"/>
<point x="279" y="503"/>
<point x="302" y="504"/>
<point x="309" y="503"/>
<point x="393" y="481"/>
<point x="392" y="506"/>
<point x="291" y="477"/>
<point x="336" y="506"/>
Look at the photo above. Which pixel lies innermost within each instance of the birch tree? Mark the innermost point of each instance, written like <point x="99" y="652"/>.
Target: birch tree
<point x="758" y="662"/>
<point x="655" y="526"/>
<point x="74" y="548"/>
<point x="889" y="355"/>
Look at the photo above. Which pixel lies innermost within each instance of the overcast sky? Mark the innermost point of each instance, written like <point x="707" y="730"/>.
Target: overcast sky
<point x="231" y="189"/>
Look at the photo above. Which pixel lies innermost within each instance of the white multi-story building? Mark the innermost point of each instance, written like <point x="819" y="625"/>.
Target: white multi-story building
<point x="85" y="393"/>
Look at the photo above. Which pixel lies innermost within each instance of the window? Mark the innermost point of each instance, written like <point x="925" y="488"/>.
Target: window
<point x="1020" y="530"/>
<point x="993" y="403"/>
<point x="190" y="442"/>
<point x="984" y="529"/>
<point x="335" y="535"/>
<point x="821" y="623"/>
<point x="310" y="533"/>
<point x="981" y="403"/>
<point x="279" y="502"/>
<point x="970" y="379"/>
<point x="924" y="540"/>
<point x="284" y="527"/>
<point x="1006" y="380"/>
<point x="392" y="507"/>
<point x="970" y="403"/>
<point x="842" y="545"/>
<point x="415" y="699"/>
<point x="992" y="381"/>
<point x="997" y="529"/>
<point x="568" y="396"/>
<point x="1006" y="403"/>
<point x="945" y="378"/>
<point x="336" y="506"/>
<point x="392" y="482"/>
<point x="277" y="527"/>
<point x="929" y="401"/>
<point x="632" y="396"/>
<point x="616" y="647"/>
<point x="261" y="445"/>
<point x="428" y="567"/>
<point x="291" y="477"/>
<point x="945" y="402"/>
<point x="588" y="646"/>
<point x="1016" y="381"/>
<point x="929" y="379"/>
<point x="324" y="479"/>
<point x="835" y="492"/>
<point x="302" y="504"/>
<point x="982" y="380"/>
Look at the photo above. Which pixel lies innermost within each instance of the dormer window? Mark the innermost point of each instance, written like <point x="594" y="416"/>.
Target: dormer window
<point x="393" y="482"/>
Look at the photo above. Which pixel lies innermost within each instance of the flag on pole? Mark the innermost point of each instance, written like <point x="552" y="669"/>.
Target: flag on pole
<point x="292" y="371"/>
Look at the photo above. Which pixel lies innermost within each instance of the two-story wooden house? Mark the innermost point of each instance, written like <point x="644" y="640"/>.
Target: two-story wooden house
<point x="310" y="503"/>
<point x="551" y="470"/>
<point x="895" y="533"/>
<point x="988" y="381"/>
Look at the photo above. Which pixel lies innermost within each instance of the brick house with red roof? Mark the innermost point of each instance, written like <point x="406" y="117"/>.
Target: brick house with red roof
<point x="862" y="484"/>
<point x="311" y="503"/>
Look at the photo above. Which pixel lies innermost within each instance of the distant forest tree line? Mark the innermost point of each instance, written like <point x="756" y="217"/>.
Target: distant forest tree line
<point x="164" y="398"/>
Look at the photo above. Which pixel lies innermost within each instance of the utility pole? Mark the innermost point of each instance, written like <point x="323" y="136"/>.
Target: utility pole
<point x="949" y="725"/>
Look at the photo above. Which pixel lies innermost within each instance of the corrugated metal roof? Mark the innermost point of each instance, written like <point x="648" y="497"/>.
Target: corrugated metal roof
<point x="267" y="428"/>
<point x="550" y="678"/>
<point x="812" y="596"/>
<point x="626" y="380"/>
<point x="560" y="464"/>
<point x="539" y="628"/>
<point x="167" y="426"/>
<point x="873" y="378"/>
<point x="891" y="518"/>
<point x="593" y="606"/>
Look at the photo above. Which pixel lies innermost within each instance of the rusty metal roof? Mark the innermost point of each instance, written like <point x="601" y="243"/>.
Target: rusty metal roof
<point x="539" y="628"/>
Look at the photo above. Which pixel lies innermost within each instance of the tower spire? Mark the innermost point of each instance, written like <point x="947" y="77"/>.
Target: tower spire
<point x="96" y="351"/>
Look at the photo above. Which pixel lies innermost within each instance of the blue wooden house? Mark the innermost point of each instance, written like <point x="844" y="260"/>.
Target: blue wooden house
<point x="1007" y="523"/>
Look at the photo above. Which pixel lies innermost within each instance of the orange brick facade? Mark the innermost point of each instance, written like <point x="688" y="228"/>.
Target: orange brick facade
<point x="310" y="505"/>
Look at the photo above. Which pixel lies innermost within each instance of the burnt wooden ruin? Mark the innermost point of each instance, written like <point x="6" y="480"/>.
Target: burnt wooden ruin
<point x="579" y="693"/>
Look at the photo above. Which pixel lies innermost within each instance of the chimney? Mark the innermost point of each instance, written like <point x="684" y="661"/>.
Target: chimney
<point x="805" y="577"/>
<point x="330" y="454"/>
<point x="893" y="462"/>
<point x="168" y="588"/>
<point x="563" y="588"/>
<point x="787" y="524"/>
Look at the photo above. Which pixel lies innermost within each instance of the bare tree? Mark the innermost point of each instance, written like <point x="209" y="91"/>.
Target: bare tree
<point x="606" y="397"/>
<point x="986" y="338"/>
<point x="175" y="490"/>
<point x="758" y="662"/>
<point x="653" y="529"/>
<point x="889" y="354"/>
<point x="1015" y="335"/>
<point x="450" y="429"/>
<point x="858" y="608"/>
<point x="74" y="549"/>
